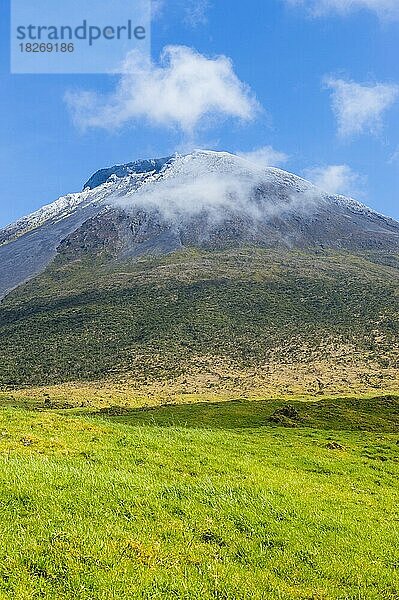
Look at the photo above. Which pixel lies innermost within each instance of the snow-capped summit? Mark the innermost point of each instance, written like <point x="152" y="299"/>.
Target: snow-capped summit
<point x="205" y="198"/>
<point x="138" y="167"/>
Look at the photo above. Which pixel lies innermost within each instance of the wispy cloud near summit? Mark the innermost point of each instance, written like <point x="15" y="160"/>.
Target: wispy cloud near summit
<point x="266" y="156"/>
<point x="336" y="179"/>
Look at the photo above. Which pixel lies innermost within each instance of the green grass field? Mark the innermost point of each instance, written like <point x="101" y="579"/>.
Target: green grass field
<point x="210" y="501"/>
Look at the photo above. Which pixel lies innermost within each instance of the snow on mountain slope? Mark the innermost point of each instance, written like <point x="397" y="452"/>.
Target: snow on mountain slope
<point x="59" y="209"/>
<point x="139" y="166"/>
<point x="208" y="198"/>
<point x="65" y="206"/>
<point x="204" y="198"/>
<point x="167" y="178"/>
<point x="30" y="244"/>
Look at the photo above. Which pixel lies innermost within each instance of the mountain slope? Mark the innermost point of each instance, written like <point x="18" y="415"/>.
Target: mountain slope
<point x="29" y="245"/>
<point x="203" y="275"/>
<point x="205" y="199"/>
<point x="234" y="320"/>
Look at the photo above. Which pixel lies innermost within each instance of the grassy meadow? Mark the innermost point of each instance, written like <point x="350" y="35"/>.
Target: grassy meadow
<point x="231" y="500"/>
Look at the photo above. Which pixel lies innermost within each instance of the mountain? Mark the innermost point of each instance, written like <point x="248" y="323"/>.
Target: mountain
<point x="204" y="199"/>
<point x="201" y="272"/>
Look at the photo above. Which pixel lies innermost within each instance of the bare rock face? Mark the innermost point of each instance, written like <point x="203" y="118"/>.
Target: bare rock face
<point x="204" y="199"/>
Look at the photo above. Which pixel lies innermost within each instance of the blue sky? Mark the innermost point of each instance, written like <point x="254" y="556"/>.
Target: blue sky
<point x="320" y="99"/>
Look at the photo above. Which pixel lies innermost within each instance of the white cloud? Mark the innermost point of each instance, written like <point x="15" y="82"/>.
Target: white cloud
<point x="181" y="91"/>
<point x="359" y="108"/>
<point x="213" y="186"/>
<point x="385" y="9"/>
<point x="266" y="156"/>
<point x="336" y="179"/>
